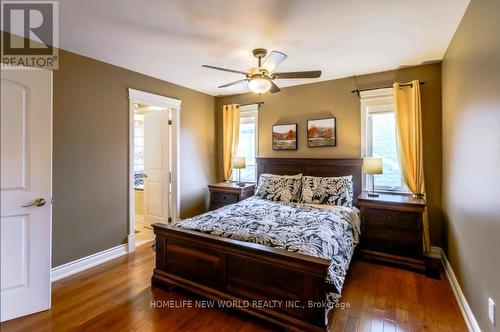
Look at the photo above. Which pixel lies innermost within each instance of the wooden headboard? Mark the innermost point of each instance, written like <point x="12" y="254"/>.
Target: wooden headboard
<point x="314" y="167"/>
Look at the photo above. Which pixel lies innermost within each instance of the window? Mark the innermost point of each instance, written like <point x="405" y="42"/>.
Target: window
<point x="139" y="151"/>
<point x="379" y="139"/>
<point x="248" y="143"/>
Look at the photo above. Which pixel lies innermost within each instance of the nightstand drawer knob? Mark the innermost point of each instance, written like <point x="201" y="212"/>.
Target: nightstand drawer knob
<point x="389" y="217"/>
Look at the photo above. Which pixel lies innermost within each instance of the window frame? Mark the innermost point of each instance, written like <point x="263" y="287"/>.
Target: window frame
<point x="375" y="101"/>
<point x="250" y="111"/>
<point x="137" y="117"/>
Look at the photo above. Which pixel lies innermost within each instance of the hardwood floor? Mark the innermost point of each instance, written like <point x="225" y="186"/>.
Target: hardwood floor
<point x="117" y="296"/>
<point x="143" y="234"/>
<point x="384" y="298"/>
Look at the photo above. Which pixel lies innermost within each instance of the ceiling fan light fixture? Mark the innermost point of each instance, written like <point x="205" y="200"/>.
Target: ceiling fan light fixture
<point x="260" y="79"/>
<point x="259" y="85"/>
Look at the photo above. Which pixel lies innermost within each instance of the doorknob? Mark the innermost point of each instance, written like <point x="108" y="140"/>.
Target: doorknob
<point x="145" y="175"/>
<point x="36" y="202"/>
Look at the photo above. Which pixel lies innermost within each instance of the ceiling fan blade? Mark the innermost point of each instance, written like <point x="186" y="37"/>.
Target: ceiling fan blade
<point x="274" y="87"/>
<point x="298" y="74"/>
<point x="234" y="83"/>
<point x="273" y="60"/>
<point x="224" y="69"/>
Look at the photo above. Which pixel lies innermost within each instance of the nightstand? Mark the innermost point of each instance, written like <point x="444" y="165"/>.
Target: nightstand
<point x="225" y="193"/>
<point x="391" y="229"/>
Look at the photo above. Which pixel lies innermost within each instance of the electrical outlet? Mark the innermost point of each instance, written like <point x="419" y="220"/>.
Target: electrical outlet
<point x="491" y="310"/>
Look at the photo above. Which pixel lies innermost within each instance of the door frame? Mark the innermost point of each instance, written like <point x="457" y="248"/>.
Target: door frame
<point x="174" y="105"/>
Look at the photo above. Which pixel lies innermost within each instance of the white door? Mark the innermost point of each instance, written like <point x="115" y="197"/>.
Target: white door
<point x="156" y="167"/>
<point x="26" y="177"/>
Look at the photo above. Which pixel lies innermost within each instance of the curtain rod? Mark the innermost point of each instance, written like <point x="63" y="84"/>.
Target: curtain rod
<point x="254" y="103"/>
<point x="383" y="87"/>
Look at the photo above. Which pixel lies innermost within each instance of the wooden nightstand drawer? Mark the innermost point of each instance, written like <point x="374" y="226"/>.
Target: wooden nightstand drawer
<point x="394" y="241"/>
<point x="225" y="193"/>
<point x="398" y="219"/>
<point x="215" y="206"/>
<point x="224" y="198"/>
<point x="391" y="229"/>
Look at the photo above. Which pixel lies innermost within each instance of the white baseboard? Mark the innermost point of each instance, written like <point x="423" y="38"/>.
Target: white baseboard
<point x="436" y="252"/>
<point x="131" y="242"/>
<point x="470" y="320"/>
<point x="65" y="270"/>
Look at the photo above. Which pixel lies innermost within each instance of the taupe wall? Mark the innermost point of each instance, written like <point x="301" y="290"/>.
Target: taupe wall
<point x="471" y="156"/>
<point x="91" y="153"/>
<point x="309" y="101"/>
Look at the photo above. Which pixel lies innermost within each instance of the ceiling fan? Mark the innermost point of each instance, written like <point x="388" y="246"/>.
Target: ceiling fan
<point x="261" y="79"/>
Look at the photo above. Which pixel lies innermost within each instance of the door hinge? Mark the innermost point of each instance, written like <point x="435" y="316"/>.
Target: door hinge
<point x="170" y="177"/>
<point x="169" y="122"/>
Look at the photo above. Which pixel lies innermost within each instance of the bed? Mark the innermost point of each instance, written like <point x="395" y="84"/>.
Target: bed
<point x="253" y="253"/>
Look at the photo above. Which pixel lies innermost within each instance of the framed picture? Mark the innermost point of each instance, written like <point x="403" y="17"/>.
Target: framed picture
<point x="321" y="132"/>
<point x="285" y="137"/>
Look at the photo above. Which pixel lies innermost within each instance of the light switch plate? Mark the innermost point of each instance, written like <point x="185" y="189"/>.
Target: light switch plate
<point x="491" y="310"/>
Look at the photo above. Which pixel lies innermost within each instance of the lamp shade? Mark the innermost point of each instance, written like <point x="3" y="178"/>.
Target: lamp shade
<point x="372" y="165"/>
<point x="239" y="163"/>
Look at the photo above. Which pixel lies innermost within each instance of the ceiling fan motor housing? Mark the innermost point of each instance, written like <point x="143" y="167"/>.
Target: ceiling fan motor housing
<point x="258" y="72"/>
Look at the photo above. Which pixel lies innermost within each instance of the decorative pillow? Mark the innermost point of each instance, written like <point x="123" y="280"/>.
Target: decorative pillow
<point x="279" y="188"/>
<point x="327" y="190"/>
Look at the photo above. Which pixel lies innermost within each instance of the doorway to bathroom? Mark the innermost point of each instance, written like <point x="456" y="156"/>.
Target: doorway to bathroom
<point x="153" y="158"/>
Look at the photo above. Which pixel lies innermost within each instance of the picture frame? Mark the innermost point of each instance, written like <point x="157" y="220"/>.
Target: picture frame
<point x="322" y="132"/>
<point x="284" y="137"/>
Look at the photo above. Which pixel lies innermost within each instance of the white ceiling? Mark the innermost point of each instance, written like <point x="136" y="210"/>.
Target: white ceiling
<point x="171" y="39"/>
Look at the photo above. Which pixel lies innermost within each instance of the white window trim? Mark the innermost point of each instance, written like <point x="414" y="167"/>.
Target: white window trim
<point x="252" y="110"/>
<point x="374" y="101"/>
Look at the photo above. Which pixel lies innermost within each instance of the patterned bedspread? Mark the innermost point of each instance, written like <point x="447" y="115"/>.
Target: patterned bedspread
<point x="326" y="233"/>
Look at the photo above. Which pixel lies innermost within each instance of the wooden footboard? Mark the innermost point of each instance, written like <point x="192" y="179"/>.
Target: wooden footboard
<point x="279" y="286"/>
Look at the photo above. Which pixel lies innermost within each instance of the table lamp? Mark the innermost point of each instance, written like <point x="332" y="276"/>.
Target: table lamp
<point x="239" y="164"/>
<point x="373" y="165"/>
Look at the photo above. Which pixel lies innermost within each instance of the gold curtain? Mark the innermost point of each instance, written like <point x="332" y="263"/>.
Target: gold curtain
<point x="231" y="131"/>
<point x="408" y="111"/>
